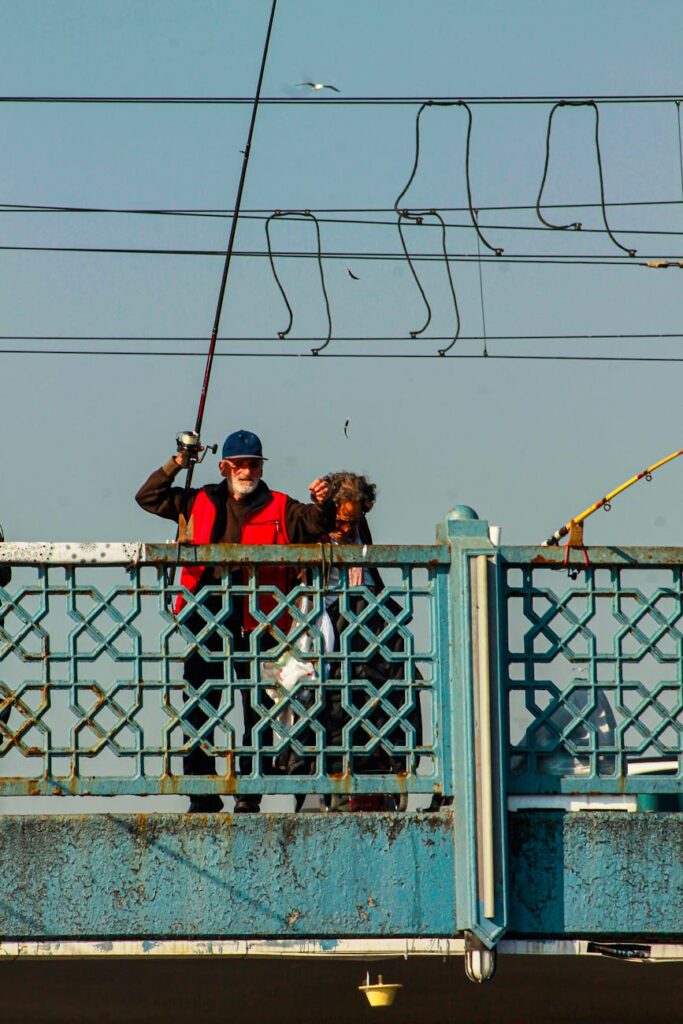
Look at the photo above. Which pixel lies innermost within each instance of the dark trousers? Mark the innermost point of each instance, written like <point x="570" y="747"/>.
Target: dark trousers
<point x="197" y="670"/>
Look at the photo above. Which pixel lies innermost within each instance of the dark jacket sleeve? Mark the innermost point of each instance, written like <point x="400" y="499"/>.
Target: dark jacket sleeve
<point x="158" y="495"/>
<point x="306" y="523"/>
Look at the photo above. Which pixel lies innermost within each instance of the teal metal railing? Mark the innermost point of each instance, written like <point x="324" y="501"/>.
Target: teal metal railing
<point x="105" y="689"/>
<point x="463" y="670"/>
<point x="592" y="670"/>
<point x="585" y="675"/>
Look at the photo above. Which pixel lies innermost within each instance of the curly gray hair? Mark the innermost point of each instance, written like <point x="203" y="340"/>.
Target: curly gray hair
<point x="345" y="486"/>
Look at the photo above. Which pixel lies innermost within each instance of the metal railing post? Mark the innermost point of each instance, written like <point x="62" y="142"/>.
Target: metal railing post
<point x="480" y="833"/>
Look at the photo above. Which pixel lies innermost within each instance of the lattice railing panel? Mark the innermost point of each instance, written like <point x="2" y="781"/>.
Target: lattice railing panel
<point x="105" y="689"/>
<point x="593" y="669"/>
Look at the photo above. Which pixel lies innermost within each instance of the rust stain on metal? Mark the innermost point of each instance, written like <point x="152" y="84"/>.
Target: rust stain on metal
<point x="342" y="781"/>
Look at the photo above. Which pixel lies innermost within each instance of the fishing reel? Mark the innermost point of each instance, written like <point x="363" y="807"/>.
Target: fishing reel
<point x="190" y="449"/>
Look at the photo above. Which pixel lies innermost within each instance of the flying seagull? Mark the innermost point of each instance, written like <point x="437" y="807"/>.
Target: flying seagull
<point x="346" y="429"/>
<point x="317" y="86"/>
<point x="351" y="274"/>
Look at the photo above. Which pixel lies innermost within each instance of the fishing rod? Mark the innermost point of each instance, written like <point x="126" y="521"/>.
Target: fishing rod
<point x="188" y="441"/>
<point x="575" y="526"/>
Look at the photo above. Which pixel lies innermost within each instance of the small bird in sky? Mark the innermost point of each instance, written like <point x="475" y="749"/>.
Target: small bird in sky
<point x="352" y="275"/>
<point x="346" y="429"/>
<point x="317" y="86"/>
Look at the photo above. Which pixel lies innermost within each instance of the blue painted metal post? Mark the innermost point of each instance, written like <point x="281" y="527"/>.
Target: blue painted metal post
<point x="478" y="730"/>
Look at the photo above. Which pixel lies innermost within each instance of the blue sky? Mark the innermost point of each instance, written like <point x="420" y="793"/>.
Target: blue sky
<point x="526" y="443"/>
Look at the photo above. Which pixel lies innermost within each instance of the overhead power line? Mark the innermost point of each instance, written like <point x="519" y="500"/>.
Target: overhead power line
<point x="347" y="221"/>
<point x="343" y="355"/>
<point x="341" y="101"/>
<point x="633" y="336"/>
<point x="521" y="258"/>
<point x="263" y="212"/>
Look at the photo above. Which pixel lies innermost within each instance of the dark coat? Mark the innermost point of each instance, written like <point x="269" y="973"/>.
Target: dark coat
<point x="375" y="670"/>
<point x="303" y="522"/>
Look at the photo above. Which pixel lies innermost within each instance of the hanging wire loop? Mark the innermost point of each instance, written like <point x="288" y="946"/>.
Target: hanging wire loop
<point x="417" y="216"/>
<point x="576" y="226"/>
<point x="468" y="183"/>
<point x="308" y="216"/>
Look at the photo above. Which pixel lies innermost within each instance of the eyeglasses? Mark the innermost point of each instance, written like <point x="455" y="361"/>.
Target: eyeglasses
<point x="244" y="463"/>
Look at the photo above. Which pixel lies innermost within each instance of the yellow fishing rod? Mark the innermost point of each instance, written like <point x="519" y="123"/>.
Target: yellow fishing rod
<point x="575" y="526"/>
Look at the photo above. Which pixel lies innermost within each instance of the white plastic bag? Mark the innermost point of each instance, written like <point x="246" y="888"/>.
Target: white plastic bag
<point x="289" y="669"/>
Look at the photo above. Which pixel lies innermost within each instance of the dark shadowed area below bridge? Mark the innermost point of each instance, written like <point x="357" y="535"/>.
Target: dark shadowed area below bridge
<point x="529" y="989"/>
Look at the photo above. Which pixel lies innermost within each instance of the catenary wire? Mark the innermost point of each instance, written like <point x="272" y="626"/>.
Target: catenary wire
<point x="344" y="355"/>
<point x="340" y="101"/>
<point x="532" y="259"/>
<point x="218" y="212"/>
<point x="633" y="336"/>
<point x="346" y="221"/>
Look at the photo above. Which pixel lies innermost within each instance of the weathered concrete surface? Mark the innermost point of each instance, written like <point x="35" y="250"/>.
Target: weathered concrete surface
<point x="329" y="876"/>
<point x="596" y="873"/>
<point x="226" y="875"/>
<point x="526" y="990"/>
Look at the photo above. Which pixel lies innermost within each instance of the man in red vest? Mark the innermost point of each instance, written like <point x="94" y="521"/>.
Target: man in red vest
<point x="240" y="510"/>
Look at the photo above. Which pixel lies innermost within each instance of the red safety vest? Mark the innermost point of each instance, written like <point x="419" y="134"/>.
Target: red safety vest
<point x="266" y="526"/>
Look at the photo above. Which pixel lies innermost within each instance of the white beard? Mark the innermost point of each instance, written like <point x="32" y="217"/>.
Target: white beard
<point x="240" y="488"/>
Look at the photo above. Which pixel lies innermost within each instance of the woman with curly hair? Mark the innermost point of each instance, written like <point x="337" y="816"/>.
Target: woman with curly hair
<point x="353" y="496"/>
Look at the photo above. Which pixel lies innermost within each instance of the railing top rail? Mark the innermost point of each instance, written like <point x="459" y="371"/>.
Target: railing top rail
<point x="599" y="557"/>
<point x="65" y="553"/>
<point x="127" y="553"/>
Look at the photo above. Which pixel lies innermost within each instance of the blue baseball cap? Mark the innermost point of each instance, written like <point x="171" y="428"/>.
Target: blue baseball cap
<point x="242" y="444"/>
